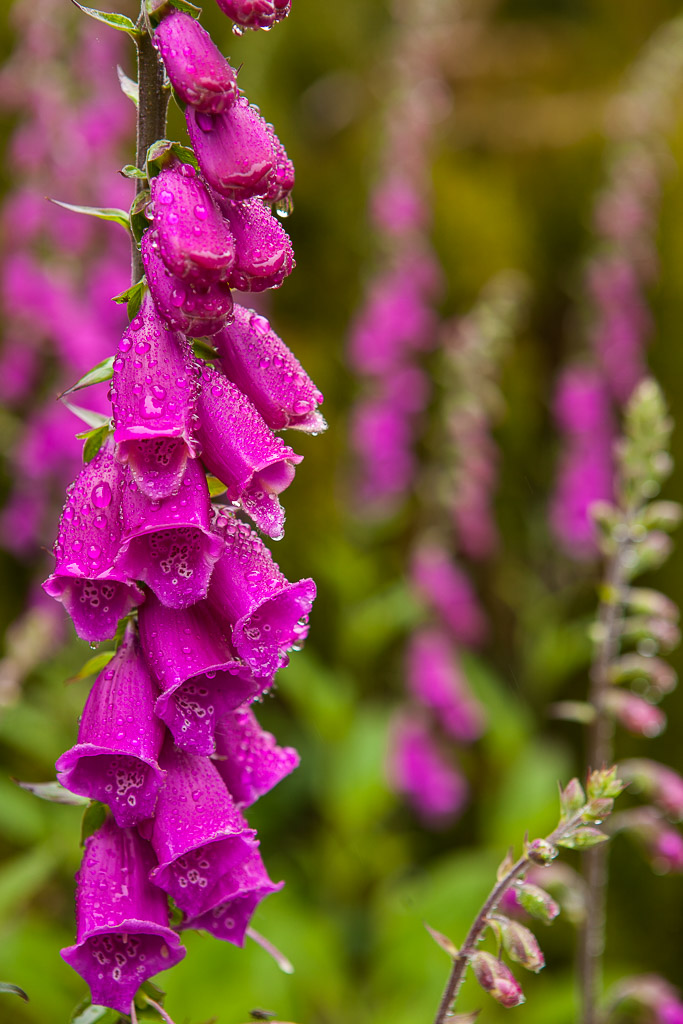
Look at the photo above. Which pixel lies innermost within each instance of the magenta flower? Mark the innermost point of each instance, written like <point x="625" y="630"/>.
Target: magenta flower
<point x="395" y="322"/>
<point x="197" y="834"/>
<point x="168" y="543"/>
<point x="436" y="680"/>
<point x="200" y="675"/>
<point x="417" y="768"/>
<point x="449" y="592"/>
<point x="198" y="71"/>
<point x="264" y="252"/>
<point x="192" y="236"/>
<point x="123" y="934"/>
<point x="255" y="13"/>
<point x="119" y="739"/>
<point x="193" y="308"/>
<point x="239" y="449"/>
<point x="153" y="396"/>
<point x="268" y="614"/>
<point x="255" y="359"/>
<point x="95" y="592"/>
<point x="382" y="438"/>
<point x="248" y="758"/>
<point x="242" y="889"/>
<point x="234" y="149"/>
<point x="283" y="177"/>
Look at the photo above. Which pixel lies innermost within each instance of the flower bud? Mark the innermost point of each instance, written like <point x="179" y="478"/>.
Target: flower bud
<point x="636" y="669"/>
<point x="254" y="358"/>
<point x="521" y="945"/>
<point x="497" y="979"/>
<point x="657" y="782"/>
<point x="572" y="798"/>
<point x="541" y="852"/>
<point x="537" y="902"/>
<point x="255" y="13"/>
<point x="234" y="149"/>
<point x="635" y="713"/>
<point x="193" y="309"/>
<point x="198" y="71"/>
<point x="193" y="238"/>
<point x="264" y="252"/>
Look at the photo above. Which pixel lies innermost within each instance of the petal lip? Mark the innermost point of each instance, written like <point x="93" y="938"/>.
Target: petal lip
<point x="112" y="994"/>
<point x="72" y="772"/>
<point x="81" y="598"/>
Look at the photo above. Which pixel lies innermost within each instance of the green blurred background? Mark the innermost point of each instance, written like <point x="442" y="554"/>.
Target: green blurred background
<point x="520" y="157"/>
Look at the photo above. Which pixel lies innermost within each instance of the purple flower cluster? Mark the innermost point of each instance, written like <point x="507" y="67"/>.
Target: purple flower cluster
<point x="168" y="739"/>
<point x="459" y="482"/>
<point x="59" y="274"/>
<point x="586" y="469"/>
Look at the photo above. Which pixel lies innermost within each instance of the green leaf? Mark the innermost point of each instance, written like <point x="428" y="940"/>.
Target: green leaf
<point x="442" y="941"/>
<point x="162" y="152"/>
<point x="583" y="839"/>
<point x="188" y="8"/>
<point x="92" y="666"/>
<point x="117" y="21"/>
<point x="131" y="171"/>
<point x="216" y="486"/>
<point x="203" y="349"/>
<point x="93" y="817"/>
<point x="94" y="439"/>
<point x="6" y="987"/>
<point x="101" y="212"/>
<point x="102" y="372"/>
<point x="129" y="88"/>
<point x="572" y="711"/>
<point x="93" y="419"/>
<point x="132" y="297"/>
<point x="54" y="792"/>
<point x="88" y="1013"/>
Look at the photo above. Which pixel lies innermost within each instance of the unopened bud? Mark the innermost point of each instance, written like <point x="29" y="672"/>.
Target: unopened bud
<point x="521" y="945"/>
<point x="572" y="798"/>
<point x="657" y="782"/>
<point x="537" y="902"/>
<point x="603" y="783"/>
<point x="540" y="851"/>
<point x="635" y="713"/>
<point x="497" y="979"/>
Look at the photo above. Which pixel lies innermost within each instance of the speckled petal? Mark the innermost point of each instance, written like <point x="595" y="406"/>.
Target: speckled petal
<point x="198" y="71"/>
<point x="95" y="592"/>
<point x="256" y="13"/>
<point x="269" y="615"/>
<point x="119" y="739"/>
<point x="242" y="889"/>
<point x="254" y="358"/>
<point x="193" y="238"/>
<point x="168" y="543"/>
<point x="196" y="309"/>
<point x="153" y="396"/>
<point x="242" y="452"/>
<point x="197" y="833"/>
<point x="200" y="676"/>
<point x="264" y="254"/>
<point x="234" y="149"/>
<point x="248" y="758"/>
<point x="123" y="935"/>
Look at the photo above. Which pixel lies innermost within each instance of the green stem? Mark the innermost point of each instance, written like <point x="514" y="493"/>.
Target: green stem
<point x="152" y="108"/>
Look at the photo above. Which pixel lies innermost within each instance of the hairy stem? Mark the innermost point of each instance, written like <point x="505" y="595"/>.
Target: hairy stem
<point x="461" y="961"/>
<point x="599" y="754"/>
<point x="152" y="107"/>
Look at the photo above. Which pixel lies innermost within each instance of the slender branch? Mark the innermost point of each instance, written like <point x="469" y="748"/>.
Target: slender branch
<point x="599" y="754"/>
<point x="152" y="107"/>
<point x="461" y="961"/>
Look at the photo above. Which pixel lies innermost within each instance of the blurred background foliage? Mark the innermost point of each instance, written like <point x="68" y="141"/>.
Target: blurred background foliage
<point x="520" y="157"/>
